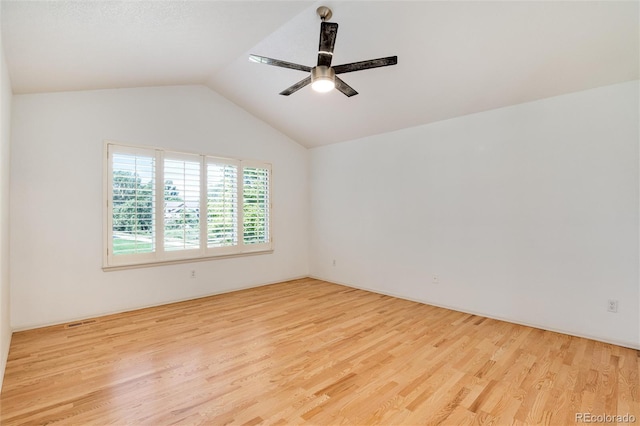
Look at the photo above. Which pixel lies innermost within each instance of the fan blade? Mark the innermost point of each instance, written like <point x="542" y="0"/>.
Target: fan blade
<point x="278" y="63"/>
<point x="299" y="85"/>
<point x="365" y="65"/>
<point x="328" y="31"/>
<point x="345" y="88"/>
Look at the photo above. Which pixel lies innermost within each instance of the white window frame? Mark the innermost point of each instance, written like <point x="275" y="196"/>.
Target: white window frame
<point x="160" y="255"/>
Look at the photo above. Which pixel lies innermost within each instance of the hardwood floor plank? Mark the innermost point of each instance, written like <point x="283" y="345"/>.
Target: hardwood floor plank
<point x="310" y="352"/>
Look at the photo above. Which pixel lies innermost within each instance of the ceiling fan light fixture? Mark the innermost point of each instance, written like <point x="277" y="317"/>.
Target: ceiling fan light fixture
<point x="323" y="75"/>
<point x="323" y="79"/>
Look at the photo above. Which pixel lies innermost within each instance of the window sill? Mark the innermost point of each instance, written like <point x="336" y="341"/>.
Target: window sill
<point x="150" y="264"/>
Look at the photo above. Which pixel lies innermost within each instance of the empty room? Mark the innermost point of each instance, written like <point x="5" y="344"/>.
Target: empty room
<point x="323" y="213"/>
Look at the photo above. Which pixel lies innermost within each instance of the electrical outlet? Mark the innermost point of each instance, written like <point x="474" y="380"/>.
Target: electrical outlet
<point x="436" y="279"/>
<point x="333" y="263"/>
<point x="612" y="305"/>
<point x="193" y="273"/>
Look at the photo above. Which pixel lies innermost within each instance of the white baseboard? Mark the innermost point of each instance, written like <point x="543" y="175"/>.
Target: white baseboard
<point x="631" y="345"/>
<point x="102" y="314"/>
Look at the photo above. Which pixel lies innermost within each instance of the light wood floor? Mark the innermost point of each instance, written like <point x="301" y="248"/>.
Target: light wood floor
<point x="310" y="352"/>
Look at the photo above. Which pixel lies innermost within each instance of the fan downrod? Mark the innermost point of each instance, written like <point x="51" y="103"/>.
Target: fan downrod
<point x="324" y="13"/>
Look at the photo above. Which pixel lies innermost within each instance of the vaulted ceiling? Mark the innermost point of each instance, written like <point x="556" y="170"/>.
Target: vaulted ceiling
<point x="454" y="58"/>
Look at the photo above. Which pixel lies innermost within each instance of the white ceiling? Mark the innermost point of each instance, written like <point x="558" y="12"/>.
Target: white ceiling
<point x="454" y="58"/>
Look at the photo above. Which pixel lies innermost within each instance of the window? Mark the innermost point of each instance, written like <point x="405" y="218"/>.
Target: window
<point x="255" y="205"/>
<point x="165" y="206"/>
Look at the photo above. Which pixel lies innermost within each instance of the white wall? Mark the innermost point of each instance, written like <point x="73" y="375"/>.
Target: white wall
<point x="527" y="213"/>
<point x="5" y="137"/>
<point x="56" y="199"/>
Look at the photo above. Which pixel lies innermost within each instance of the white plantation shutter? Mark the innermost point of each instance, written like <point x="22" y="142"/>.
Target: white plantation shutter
<point x="168" y="206"/>
<point x="181" y="202"/>
<point x="222" y="203"/>
<point x="256" y="204"/>
<point x="132" y="203"/>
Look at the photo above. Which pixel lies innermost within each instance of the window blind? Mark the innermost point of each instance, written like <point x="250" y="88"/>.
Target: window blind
<point x="222" y="202"/>
<point x="181" y="203"/>
<point x="256" y="205"/>
<point x="133" y="203"/>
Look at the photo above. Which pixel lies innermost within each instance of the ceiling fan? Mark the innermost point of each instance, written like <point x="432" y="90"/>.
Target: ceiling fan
<point x="323" y="77"/>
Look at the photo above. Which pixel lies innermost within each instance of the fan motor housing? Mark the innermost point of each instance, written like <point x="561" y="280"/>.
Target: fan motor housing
<point x="323" y="78"/>
<point x="322" y="72"/>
